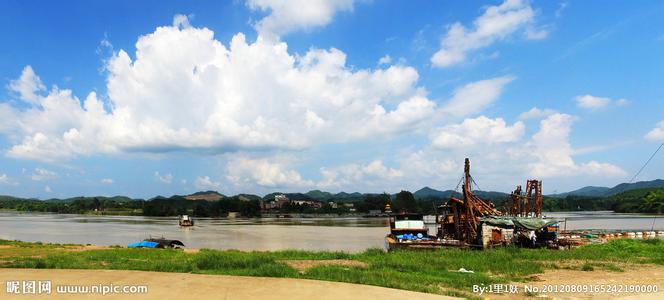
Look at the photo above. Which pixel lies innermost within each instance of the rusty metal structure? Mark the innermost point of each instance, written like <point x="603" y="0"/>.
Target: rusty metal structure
<point x="528" y="203"/>
<point x="465" y="213"/>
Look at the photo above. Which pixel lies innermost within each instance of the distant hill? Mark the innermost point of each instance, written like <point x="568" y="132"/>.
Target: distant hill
<point x="72" y="199"/>
<point x="319" y="195"/>
<point x="206" y="193"/>
<point x="248" y="197"/>
<point x="347" y="195"/>
<point x="657" y="183"/>
<point x="429" y="193"/>
<point x="599" y="191"/>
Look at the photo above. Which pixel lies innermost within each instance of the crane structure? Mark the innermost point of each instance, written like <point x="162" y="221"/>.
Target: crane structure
<point x="528" y="203"/>
<point x="467" y="211"/>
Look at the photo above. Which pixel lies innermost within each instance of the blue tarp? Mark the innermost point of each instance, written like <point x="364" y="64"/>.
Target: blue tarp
<point x="143" y="244"/>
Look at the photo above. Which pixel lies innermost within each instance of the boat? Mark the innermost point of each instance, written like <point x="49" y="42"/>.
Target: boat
<point x="408" y="231"/>
<point x="186" y="221"/>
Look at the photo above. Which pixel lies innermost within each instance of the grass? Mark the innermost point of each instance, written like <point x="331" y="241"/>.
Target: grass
<point x="424" y="271"/>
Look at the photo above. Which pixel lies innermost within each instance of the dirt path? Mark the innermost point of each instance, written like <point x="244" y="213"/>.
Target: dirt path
<point x="196" y="286"/>
<point x="632" y="275"/>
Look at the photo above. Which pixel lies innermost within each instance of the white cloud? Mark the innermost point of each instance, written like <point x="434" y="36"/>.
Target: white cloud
<point x="166" y="178"/>
<point x="187" y="91"/>
<point x="594" y="103"/>
<point x="594" y="168"/>
<point x="496" y="23"/>
<point x="552" y="152"/>
<point x="4" y="179"/>
<point x="478" y="131"/>
<point x="385" y="60"/>
<point x="106" y="180"/>
<point x="347" y="175"/>
<point x="180" y="21"/>
<point x="657" y="133"/>
<point x="532" y="33"/>
<point x="40" y="174"/>
<point x="243" y="171"/>
<point x="27" y="85"/>
<point x="48" y="189"/>
<point x="285" y="16"/>
<point x="536" y="113"/>
<point x="476" y="96"/>
<point x="205" y="183"/>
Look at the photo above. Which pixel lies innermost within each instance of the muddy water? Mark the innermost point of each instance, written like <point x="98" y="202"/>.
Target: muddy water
<point x="339" y="234"/>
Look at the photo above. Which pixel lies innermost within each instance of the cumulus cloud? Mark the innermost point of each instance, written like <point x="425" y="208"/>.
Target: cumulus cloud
<point x="552" y="152"/>
<point x="533" y="33"/>
<point x="106" y="180"/>
<point x="243" y="171"/>
<point x="48" y="189"/>
<point x="187" y="91"/>
<point x="472" y="132"/>
<point x="594" y="103"/>
<point x="476" y="96"/>
<point x="354" y="174"/>
<point x="385" y="60"/>
<point x="206" y="183"/>
<point x="27" y="85"/>
<point x="657" y="133"/>
<point x="4" y="179"/>
<point x="496" y="23"/>
<point x="40" y="174"/>
<point x="536" y="113"/>
<point x="166" y="178"/>
<point x="285" y="16"/>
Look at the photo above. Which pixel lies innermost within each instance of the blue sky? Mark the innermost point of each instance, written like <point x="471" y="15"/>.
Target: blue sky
<point x="158" y="98"/>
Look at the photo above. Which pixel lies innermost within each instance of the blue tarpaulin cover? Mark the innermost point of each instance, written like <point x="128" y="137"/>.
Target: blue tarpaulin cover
<point x="144" y="244"/>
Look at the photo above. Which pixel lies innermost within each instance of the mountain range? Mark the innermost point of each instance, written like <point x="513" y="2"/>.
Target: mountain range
<point x="601" y="191"/>
<point x="421" y="194"/>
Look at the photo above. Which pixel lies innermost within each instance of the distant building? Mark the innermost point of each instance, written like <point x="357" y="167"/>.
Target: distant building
<point x="281" y="199"/>
<point x="333" y="204"/>
<point x="313" y="204"/>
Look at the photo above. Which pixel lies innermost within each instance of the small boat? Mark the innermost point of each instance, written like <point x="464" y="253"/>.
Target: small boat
<point x="408" y="231"/>
<point x="161" y="243"/>
<point x="186" y="221"/>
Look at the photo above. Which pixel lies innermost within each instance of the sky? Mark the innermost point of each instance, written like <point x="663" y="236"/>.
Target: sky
<point x="146" y="98"/>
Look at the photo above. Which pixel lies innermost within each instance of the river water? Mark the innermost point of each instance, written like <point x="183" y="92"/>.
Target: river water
<point x="350" y="234"/>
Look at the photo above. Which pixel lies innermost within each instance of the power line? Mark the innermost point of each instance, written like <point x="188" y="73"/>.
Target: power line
<point x="648" y="161"/>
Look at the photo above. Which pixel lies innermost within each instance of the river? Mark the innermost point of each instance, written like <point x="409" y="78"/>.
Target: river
<point x="335" y="234"/>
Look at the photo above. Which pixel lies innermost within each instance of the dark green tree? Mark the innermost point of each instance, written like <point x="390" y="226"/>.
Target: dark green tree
<point x="405" y="202"/>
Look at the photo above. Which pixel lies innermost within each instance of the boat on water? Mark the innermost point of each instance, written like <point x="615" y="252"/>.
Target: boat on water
<point x="186" y="221"/>
<point x="408" y="231"/>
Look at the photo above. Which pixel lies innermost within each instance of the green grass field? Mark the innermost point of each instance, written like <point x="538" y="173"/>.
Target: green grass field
<point x="424" y="271"/>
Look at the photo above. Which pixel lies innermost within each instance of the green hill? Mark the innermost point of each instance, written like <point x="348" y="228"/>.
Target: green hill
<point x="600" y="191"/>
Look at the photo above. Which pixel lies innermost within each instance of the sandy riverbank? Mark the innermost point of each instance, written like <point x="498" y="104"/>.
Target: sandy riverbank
<point x="196" y="286"/>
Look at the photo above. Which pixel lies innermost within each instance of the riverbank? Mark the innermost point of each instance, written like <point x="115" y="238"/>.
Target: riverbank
<point x="434" y="272"/>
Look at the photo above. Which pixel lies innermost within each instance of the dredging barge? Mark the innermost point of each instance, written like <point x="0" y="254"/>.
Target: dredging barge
<point x="470" y="222"/>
